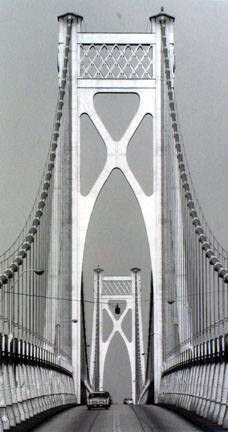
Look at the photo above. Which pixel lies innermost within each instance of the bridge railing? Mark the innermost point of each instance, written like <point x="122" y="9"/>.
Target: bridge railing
<point x="195" y="370"/>
<point x="35" y="374"/>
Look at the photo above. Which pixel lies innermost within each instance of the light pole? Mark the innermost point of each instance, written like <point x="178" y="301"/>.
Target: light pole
<point x="37" y="271"/>
<point x="187" y="325"/>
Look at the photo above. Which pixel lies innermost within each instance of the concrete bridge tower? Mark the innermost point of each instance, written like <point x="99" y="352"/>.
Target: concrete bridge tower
<point x="117" y="296"/>
<point x="140" y="72"/>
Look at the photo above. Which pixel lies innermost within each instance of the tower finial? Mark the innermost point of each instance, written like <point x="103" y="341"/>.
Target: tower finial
<point x="162" y="15"/>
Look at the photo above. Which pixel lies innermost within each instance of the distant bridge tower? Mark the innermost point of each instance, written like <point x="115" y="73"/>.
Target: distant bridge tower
<point x="118" y="293"/>
<point x="116" y="63"/>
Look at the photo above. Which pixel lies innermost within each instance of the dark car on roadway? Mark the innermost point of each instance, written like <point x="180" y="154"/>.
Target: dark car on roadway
<point x="100" y="399"/>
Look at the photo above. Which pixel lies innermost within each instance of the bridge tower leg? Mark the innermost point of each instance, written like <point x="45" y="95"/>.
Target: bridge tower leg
<point x="96" y="335"/>
<point x="78" y="237"/>
<point x="77" y="234"/>
<point x="138" y="333"/>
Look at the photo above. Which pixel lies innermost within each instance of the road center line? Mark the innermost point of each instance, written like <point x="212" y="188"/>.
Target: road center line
<point x="116" y="422"/>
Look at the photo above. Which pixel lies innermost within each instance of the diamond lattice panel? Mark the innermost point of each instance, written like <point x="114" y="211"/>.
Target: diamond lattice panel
<point x="117" y="287"/>
<point x="116" y="61"/>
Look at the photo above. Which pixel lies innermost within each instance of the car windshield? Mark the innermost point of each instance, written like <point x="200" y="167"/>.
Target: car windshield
<point x="98" y="394"/>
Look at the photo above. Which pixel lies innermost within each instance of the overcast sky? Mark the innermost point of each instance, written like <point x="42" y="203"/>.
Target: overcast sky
<point x="28" y="91"/>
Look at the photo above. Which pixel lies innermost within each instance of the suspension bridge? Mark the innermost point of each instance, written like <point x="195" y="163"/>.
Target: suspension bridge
<point x="43" y="345"/>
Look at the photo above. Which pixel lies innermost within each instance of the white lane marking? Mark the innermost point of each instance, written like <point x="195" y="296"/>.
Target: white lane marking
<point x="116" y="422"/>
<point x="118" y="429"/>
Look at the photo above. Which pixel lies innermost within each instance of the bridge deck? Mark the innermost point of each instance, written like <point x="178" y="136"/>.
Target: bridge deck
<point x="119" y="418"/>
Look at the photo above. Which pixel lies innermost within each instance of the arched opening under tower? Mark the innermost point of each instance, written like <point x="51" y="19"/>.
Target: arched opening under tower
<point x="117" y="241"/>
<point x="117" y="370"/>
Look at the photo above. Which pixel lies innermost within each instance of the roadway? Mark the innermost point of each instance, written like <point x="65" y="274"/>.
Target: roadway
<point x="119" y="418"/>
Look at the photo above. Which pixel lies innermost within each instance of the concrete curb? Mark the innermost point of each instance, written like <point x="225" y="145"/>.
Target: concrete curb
<point x="31" y="423"/>
<point x="204" y="424"/>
